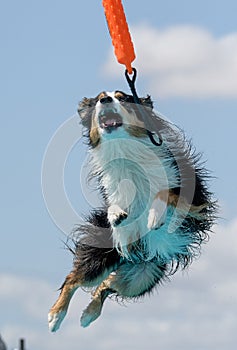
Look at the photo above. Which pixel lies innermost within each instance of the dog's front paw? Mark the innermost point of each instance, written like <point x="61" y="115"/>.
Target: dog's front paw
<point x="116" y="215"/>
<point x="157" y="215"/>
<point x="154" y="220"/>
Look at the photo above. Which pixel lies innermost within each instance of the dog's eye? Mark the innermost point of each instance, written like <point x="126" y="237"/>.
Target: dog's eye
<point x="123" y="98"/>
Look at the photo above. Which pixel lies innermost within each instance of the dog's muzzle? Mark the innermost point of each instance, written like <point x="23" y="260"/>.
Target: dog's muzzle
<point x="110" y="120"/>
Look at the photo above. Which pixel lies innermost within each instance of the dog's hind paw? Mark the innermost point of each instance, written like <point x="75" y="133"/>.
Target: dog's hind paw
<point x="91" y="313"/>
<point x="116" y="215"/>
<point x="55" y="320"/>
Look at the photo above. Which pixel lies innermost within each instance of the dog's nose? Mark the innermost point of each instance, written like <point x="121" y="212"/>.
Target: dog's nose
<point x="106" y="99"/>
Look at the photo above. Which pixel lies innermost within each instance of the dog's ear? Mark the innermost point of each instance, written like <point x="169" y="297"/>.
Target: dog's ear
<point x="84" y="107"/>
<point x="147" y="101"/>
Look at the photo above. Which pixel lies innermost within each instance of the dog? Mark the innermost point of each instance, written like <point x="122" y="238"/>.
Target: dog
<point x="156" y="207"/>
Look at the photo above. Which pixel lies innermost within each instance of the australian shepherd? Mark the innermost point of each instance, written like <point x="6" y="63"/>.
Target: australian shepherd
<point x="156" y="209"/>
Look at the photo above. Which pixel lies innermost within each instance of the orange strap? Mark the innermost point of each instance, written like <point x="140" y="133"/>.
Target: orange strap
<point x="119" y="32"/>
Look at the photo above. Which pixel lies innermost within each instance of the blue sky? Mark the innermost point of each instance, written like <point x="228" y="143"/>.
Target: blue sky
<point x="53" y="53"/>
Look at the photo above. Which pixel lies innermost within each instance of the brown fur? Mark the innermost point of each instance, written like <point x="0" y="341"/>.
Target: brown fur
<point x="169" y="197"/>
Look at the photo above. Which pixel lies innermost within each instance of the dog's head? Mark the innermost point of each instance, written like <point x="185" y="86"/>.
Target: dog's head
<point x="110" y="113"/>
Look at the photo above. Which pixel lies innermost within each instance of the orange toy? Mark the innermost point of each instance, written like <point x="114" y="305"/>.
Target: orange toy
<point x="119" y="32"/>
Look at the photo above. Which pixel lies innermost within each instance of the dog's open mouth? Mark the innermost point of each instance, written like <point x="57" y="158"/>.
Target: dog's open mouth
<point x="110" y="120"/>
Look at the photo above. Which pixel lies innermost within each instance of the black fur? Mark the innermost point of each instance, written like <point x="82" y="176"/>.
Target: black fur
<point x="94" y="252"/>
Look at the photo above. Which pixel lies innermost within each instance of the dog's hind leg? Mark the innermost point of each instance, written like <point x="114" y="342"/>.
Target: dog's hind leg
<point x="92" y="265"/>
<point x="72" y="282"/>
<point x="93" y="310"/>
<point x="59" y="309"/>
<point x="130" y="280"/>
<point x="94" y="260"/>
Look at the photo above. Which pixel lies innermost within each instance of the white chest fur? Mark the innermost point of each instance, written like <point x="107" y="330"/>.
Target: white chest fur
<point x="132" y="171"/>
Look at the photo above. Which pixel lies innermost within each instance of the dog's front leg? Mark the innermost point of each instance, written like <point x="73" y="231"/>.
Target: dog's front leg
<point x="158" y="210"/>
<point x="116" y="215"/>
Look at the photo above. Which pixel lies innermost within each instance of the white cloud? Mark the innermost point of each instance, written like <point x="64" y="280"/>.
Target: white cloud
<point x="183" y="61"/>
<point x="25" y="293"/>
<point x="196" y="310"/>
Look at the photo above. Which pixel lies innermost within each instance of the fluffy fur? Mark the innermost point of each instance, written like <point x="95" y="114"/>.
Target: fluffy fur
<point x="156" y="209"/>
